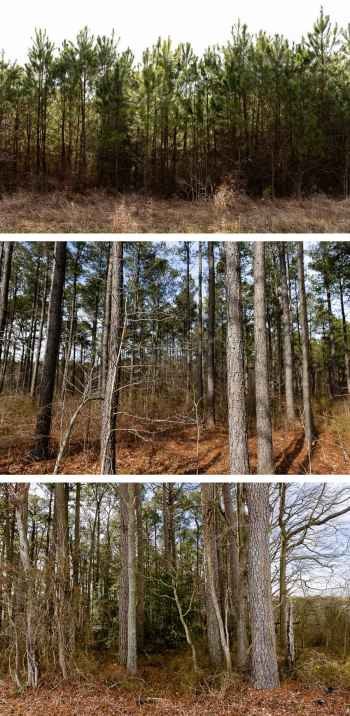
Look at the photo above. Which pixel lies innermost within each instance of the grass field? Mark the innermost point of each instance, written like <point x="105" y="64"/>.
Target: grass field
<point x="97" y="212"/>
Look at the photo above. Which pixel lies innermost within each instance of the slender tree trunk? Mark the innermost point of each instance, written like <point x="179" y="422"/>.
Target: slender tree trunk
<point x="106" y="325"/>
<point x="70" y="337"/>
<point x="140" y="570"/>
<point x="41" y="328"/>
<point x="166" y="530"/>
<point x="21" y="510"/>
<point x="335" y="384"/>
<point x="263" y="415"/>
<point x="283" y="570"/>
<point x="124" y="576"/>
<point x="135" y="316"/>
<point x="237" y="409"/>
<point x="111" y="396"/>
<point x="5" y="282"/>
<point x="264" y="658"/>
<point x="288" y="356"/>
<point x="309" y="426"/>
<point x="132" y="605"/>
<point x="188" y="328"/>
<point x="42" y="431"/>
<point x="345" y="334"/>
<point x="62" y="599"/>
<point x="211" y="337"/>
<point x="200" y="331"/>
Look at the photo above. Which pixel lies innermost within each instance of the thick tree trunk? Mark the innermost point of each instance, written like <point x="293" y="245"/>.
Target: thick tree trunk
<point x="264" y="658"/>
<point x="283" y="570"/>
<point x="263" y="415"/>
<point x="5" y="282"/>
<point x="309" y="426"/>
<point x="124" y="576"/>
<point x="237" y="544"/>
<point x="288" y="355"/>
<point x="237" y="409"/>
<point x="42" y="431"/>
<point x="132" y="605"/>
<point x="211" y="337"/>
<point x="111" y="396"/>
<point x="218" y="644"/>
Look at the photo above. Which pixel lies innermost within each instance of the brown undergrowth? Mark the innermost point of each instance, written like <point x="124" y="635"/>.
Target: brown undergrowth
<point x="165" y="686"/>
<point x="166" y="445"/>
<point x="98" y="212"/>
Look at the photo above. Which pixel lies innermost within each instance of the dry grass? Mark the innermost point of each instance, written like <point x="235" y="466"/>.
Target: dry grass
<point x="98" y="212"/>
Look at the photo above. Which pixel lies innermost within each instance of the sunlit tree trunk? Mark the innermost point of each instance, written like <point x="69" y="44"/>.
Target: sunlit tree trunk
<point x="263" y="415"/>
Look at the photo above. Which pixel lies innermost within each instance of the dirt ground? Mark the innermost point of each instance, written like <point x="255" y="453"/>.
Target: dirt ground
<point x="156" y="450"/>
<point x="97" y="212"/>
<point x="94" y="700"/>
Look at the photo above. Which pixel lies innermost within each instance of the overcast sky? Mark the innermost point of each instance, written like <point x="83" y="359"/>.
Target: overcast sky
<point x="139" y="23"/>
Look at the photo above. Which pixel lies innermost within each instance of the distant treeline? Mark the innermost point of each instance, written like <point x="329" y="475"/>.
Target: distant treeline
<point x="257" y="114"/>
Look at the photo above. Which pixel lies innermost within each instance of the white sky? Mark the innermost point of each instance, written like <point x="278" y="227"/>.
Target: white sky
<point x="139" y="23"/>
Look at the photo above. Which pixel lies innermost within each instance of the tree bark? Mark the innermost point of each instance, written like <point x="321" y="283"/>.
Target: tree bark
<point x="40" y="448"/>
<point x="111" y="396"/>
<point x="211" y="337"/>
<point x="5" y="282"/>
<point x="106" y="326"/>
<point x="140" y="618"/>
<point x="309" y="426"/>
<point x="132" y="604"/>
<point x="218" y="644"/>
<point x="20" y="500"/>
<point x="41" y="328"/>
<point x="263" y="415"/>
<point x="345" y="335"/>
<point x="200" y="331"/>
<point x="124" y="576"/>
<point x="62" y="598"/>
<point x="264" y="658"/>
<point x="288" y="355"/>
<point x="237" y="408"/>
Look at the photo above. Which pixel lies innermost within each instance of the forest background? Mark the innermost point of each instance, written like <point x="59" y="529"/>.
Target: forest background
<point x="173" y="408"/>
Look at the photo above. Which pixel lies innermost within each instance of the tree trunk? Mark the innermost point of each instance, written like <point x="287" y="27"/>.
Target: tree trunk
<point x="62" y="599"/>
<point x="70" y="337"/>
<point x="345" y="335"/>
<point x="211" y="337"/>
<point x="264" y="658"/>
<point x="40" y="448"/>
<point x="106" y="325"/>
<point x="288" y="355"/>
<point x="132" y="605"/>
<point x="21" y="509"/>
<point x="166" y="530"/>
<point x="237" y="409"/>
<point x="124" y="576"/>
<point x="188" y="328"/>
<point x="263" y="416"/>
<point x="140" y="618"/>
<point x="335" y="384"/>
<point x="309" y="426"/>
<point x="200" y="331"/>
<point x="5" y="282"/>
<point x="218" y="643"/>
<point x="111" y="395"/>
<point x="41" y="328"/>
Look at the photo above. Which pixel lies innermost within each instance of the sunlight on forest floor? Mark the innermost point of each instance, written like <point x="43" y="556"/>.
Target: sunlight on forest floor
<point x="98" y="212"/>
<point x="171" y="450"/>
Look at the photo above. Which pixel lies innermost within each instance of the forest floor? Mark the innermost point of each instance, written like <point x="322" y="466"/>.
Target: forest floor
<point x="98" y="212"/>
<point x="161" y="691"/>
<point x="157" y="450"/>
